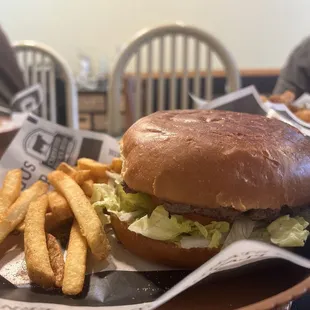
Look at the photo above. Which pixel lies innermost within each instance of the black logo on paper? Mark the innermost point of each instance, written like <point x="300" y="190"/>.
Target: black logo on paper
<point x="40" y="144"/>
<point x="90" y="148"/>
<point x="50" y="149"/>
<point x="28" y="100"/>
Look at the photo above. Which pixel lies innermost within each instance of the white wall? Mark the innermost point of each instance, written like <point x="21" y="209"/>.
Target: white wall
<point x="259" y="33"/>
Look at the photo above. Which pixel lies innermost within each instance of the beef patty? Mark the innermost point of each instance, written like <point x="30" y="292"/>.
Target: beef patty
<point x="224" y="213"/>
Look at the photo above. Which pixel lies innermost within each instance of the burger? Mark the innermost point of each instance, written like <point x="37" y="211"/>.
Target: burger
<point x="195" y="181"/>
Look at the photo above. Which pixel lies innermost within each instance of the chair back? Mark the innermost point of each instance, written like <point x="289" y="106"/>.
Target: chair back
<point x="41" y="64"/>
<point x="178" y="49"/>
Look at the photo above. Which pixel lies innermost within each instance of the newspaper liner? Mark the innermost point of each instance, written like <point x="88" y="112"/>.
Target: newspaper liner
<point x="40" y="146"/>
<point x="247" y="100"/>
<point x="26" y="101"/>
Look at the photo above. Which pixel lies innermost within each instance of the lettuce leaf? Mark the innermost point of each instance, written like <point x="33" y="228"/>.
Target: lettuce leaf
<point x="129" y="217"/>
<point x="221" y="226"/>
<point x="104" y="197"/>
<point x="160" y="226"/>
<point x="213" y="232"/>
<point x="138" y="209"/>
<point x="134" y="202"/>
<point x="116" y="200"/>
<point x="215" y="239"/>
<point x="242" y="228"/>
<point x="288" y="232"/>
<point x="116" y="177"/>
<point x="202" y="230"/>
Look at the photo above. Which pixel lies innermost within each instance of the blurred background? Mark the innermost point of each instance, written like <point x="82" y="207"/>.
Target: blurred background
<point x="90" y="36"/>
<point x="260" y="34"/>
<point x="103" y="64"/>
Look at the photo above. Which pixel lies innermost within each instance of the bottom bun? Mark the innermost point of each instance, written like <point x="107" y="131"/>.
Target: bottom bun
<point x="160" y="252"/>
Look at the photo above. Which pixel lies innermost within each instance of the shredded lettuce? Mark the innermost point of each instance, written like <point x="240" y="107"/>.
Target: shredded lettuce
<point x="242" y="228"/>
<point x="104" y="197"/>
<point x="160" y="226"/>
<point x="284" y="231"/>
<point x="213" y="232"/>
<point x="156" y="223"/>
<point x="116" y="177"/>
<point x="126" y="207"/>
<point x="130" y="217"/>
<point x="115" y="199"/>
<point x="215" y="240"/>
<point x="134" y="202"/>
<point x="288" y="232"/>
<point x="202" y="229"/>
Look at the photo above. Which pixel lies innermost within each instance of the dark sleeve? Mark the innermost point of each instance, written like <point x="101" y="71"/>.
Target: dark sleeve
<point x="295" y="76"/>
<point x="11" y="78"/>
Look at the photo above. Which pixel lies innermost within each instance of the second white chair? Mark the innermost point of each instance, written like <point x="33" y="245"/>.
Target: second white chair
<point x="39" y="64"/>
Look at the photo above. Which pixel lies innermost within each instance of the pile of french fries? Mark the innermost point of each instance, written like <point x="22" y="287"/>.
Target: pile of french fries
<point x="37" y="212"/>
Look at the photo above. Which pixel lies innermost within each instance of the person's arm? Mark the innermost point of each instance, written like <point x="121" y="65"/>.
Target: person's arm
<point x="11" y="78"/>
<point x="295" y="76"/>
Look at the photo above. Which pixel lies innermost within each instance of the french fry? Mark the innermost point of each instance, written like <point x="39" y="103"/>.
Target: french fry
<point x="17" y="212"/>
<point x="56" y="259"/>
<point x="11" y="189"/>
<point x="84" y="213"/>
<point x="78" y="175"/>
<point x="67" y="169"/>
<point x="81" y="176"/>
<point x="21" y="227"/>
<point x="98" y="170"/>
<point x="75" y="265"/>
<point x="36" y="253"/>
<point x="116" y="165"/>
<point x="59" y="206"/>
<point x="87" y="187"/>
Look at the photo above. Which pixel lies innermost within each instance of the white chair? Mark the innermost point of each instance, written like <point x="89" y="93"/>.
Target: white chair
<point x="39" y="64"/>
<point x="202" y="46"/>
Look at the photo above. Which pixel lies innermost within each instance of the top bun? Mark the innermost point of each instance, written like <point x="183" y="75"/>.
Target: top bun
<point x="218" y="158"/>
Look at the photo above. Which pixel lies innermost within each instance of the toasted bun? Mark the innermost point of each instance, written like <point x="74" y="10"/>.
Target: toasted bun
<point x="160" y="252"/>
<point x="218" y="158"/>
